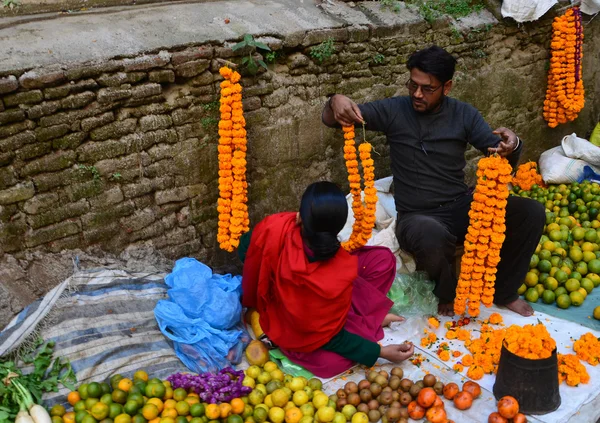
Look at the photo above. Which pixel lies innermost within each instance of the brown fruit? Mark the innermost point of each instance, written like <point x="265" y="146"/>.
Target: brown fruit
<point x="373" y="404"/>
<point x="333" y="397"/>
<point x="386" y="398"/>
<point x="394" y="382"/>
<point x="365" y="395"/>
<point x="363" y="384"/>
<point x="429" y="380"/>
<point x="396" y="396"/>
<point x="405" y="398"/>
<point x="395" y="404"/>
<point x="341" y="393"/>
<point x="508" y="407"/>
<point x="403" y="420"/>
<point x="414" y="390"/>
<point x="384" y="419"/>
<point x="397" y="371"/>
<point x="473" y="388"/>
<point x="363" y="408"/>
<point x="496" y="418"/>
<point x="436" y="415"/>
<point x="463" y="400"/>
<point x="404" y="413"/>
<point x="374" y="416"/>
<point x="405" y="384"/>
<point x="383" y="409"/>
<point x="340" y="403"/>
<point x="450" y="390"/>
<point x="375" y="389"/>
<point x="426" y="397"/>
<point x="384" y="374"/>
<point x="372" y="375"/>
<point x="381" y="380"/>
<point x="353" y="399"/>
<point x="351" y="387"/>
<point x="438" y="388"/>
<point x="420" y="383"/>
<point x="393" y="414"/>
<point x="257" y="353"/>
<point x="387" y="389"/>
<point x="519" y="418"/>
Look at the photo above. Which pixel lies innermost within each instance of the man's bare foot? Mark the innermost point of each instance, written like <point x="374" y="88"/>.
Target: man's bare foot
<point x="446" y="309"/>
<point x="521" y="307"/>
<point x="389" y="318"/>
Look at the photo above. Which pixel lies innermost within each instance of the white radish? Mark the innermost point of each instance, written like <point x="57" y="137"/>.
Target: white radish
<point x="39" y="414"/>
<point x="24" y="417"/>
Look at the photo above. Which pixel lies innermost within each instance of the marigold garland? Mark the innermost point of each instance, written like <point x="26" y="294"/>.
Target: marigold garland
<point x="587" y="348"/>
<point x="527" y="176"/>
<point x="484" y="237"/>
<point x="565" y="93"/>
<point x="571" y="370"/>
<point x="364" y="214"/>
<point x="233" y="188"/>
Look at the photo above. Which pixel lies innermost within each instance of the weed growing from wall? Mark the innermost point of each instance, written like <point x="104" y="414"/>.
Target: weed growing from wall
<point x="323" y="51"/>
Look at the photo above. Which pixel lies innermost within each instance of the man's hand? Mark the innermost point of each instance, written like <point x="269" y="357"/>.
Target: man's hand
<point x="345" y="111"/>
<point x="397" y="353"/>
<point x="507" y="145"/>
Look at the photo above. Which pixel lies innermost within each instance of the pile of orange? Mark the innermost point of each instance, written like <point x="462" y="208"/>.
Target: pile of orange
<point x="463" y="400"/>
<point x="508" y="412"/>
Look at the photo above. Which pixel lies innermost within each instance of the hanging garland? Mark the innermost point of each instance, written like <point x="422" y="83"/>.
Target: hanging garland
<point x="484" y="237"/>
<point x="565" y="93"/>
<point x="233" y="188"/>
<point x="364" y="215"/>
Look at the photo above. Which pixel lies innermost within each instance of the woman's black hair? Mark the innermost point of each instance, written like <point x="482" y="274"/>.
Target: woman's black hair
<point x="323" y="210"/>
<point x="435" y="61"/>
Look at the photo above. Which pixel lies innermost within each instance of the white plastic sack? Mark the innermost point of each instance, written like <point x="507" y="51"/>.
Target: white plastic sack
<point x="590" y="7"/>
<point x="564" y="164"/>
<point x="526" y="10"/>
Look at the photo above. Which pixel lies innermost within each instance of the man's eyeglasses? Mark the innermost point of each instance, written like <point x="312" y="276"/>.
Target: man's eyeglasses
<point x="425" y="89"/>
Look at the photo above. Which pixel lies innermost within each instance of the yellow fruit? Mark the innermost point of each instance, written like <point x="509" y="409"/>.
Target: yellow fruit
<point x="326" y="414"/>
<point x="289" y="405"/>
<point x="300" y="398"/>
<point x="262" y="388"/>
<point x="179" y="394"/>
<point x="140" y="375"/>
<point x="170" y="403"/>
<point x="293" y="415"/>
<point x="277" y="375"/>
<point x="158" y="403"/>
<point x="583" y="292"/>
<point x="213" y="412"/>
<point x="597" y="313"/>
<point x="320" y="400"/>
<point x="257" y="354"/>
<point x="270" y="367"/>
<point x="269" y="401"/>
<point x="125" y="384"/>
<point x="183" y="408"/>
<point x="150" y="411"/>
<point x="123" y="418"/>
<point x="576" y="298"/>
<point x="169" y="412"/>
<point x="249" y="382"/>
<point x="280" y="398"/>
<point x="225" y="410"/>
<point x="360" y="417"/>
<point x="276" y="415"/>
<point x="297" y="384"/>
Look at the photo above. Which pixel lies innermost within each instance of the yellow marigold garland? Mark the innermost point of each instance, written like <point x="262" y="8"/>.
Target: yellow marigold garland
<point x="565" y="93"/>
<point x="364" y="214"/>
<point x="527" y="176"/>
<point x="232" y="202"/>
<point x="484" y="237"/>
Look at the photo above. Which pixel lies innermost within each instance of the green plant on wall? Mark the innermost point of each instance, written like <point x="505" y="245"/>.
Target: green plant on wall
<point x="250" y="62"/>
<point x="85" y="169"/>
<point x="393" y="5"/>
<point x="432" y="10"/>
<point x="11" y="4"/>
<point x="323" y="51"/>
<point x="378" y="59"/>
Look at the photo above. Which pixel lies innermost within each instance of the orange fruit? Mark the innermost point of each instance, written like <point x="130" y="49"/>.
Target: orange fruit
<point x="436" y="415"/>
<point x="73" y="397"/>
<point x="125" y="384"/>
<point x="473" y="388"/>
<point x="192" y="400"/>
<point x="450" y="390"/>
<point x="519" y="418"/>
<point x="496" y="418"/>
<point x="140" y="375"/>
<point x="415" y="411"/>
<point x="225" y="410"/>
<point x="463" y="400"/>
<point x="156" y="420"/>
<point x="150" y="411"/>
<point x="508" y="407"/>
<point x="237" y="406"/>
<point x="169" y="412"/>
<point x="170" y="403"/>
<point x="213" y="412"/>
<point x="426" y="397"/>
<point x="69" y="417"/>
<point x="157" y="402"/>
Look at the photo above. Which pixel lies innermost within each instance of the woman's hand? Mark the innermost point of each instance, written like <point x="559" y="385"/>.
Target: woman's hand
<point x="397" y="353"/>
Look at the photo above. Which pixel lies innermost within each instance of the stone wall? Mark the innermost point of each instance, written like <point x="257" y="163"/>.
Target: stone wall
<point x="123" y="153"/>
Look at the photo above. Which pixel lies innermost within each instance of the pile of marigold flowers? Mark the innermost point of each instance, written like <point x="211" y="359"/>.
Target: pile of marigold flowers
<point x="484" y="237"/>
<point x="364" y="215"/>
<point x="530" y="341"/>
<point x="527" y="176"/>
<point x="429" y="339"/>
<point x="485" y="352"/>
<point x="571" y="370"/>
<point x="587" y="348"/>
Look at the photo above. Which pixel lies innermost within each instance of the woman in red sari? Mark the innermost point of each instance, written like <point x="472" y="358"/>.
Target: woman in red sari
<point x="322" y="306"/>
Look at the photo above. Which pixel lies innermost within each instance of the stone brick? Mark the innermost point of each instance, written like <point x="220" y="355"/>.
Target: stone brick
<point x="44" y="109"/>
<point x="8" y="84"/>
<point x="120" y="78"/>
<point x="142" y="187"/>
<point x="13" y="115"/>
<point x="77" y="101"/>
<point x="279" y="97"/>
<point x="24" y="97"/>
<point x="358" y="33"/>
<point x="6" y="158"/>
<point x="109" y="215"/>
<point x="58" y="214"/>
<point x="93" y="122"/>
<point x="162" y="76"/>
<point x="175" y="237"/>
<point x="179" y="194"/>
<point x="146" y="90"/>
<point x="151" y="231"/>
<point x="114" y="130"/>
<point x="69" y="142"/>
<point x="320" y="35"/>
<point x="91" y="70"/>
<point x="40" y="78"/>
<point x="297" y="60"/>
<point x="109" y="95"/>
<point x="57" y="92"/>
<point x="88" y="189"/>
<point x="251" y="103"/>
<point x="40" y="203"/>
<point x="113" y="195"/>
<point x="148" y="109"/>
<point x="133" y="162"/>
<point x="190" y="69"/>
<point x="181" y="116"/>
<point x="138" y="220"/>
<point x="162" y="151"/>
<point x="146" y="62"/>
<point x="191" y="54"/>
<point x="32" y="151"/>
<point x="73" y="116"/>
<point x="137" y="102"/>
<point x="259" y="89"/>
<point x="50" y="163"/>
<point x="7" y="177"/>
<point x="17" y="141"/>
<point x="20" y="192"/>
<point x="67" y="243"/>
<point x="205" y="78"/>
<point x="51" y="233"/>
<point x="48" y="181"/>
<point x="154" y="122"/>
<point x="91" y="152"/>
<point x="11" y="235"/>
<point x="1" y="105"/>
<point x="51" y="132"/>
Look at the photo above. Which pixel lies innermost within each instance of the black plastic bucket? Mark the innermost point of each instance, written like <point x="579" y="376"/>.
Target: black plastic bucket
<point x="534" y="383"/>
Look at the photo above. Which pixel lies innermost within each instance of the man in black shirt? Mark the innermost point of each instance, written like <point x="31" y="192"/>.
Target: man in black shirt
<point x="428" y="133"/>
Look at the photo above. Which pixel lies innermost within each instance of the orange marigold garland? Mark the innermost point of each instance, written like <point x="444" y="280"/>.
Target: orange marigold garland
<point x="364" y="214"/>
<point x="527" y="176"/>
<point x="233" y="188"/>
<point x="484" y="237"/>
<point x="565" y="93"/>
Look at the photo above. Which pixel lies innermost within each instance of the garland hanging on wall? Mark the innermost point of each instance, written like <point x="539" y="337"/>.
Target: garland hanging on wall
<point x="233" y="188"/>
<point x="565" y="93"/>
<point x="364" y="214"/>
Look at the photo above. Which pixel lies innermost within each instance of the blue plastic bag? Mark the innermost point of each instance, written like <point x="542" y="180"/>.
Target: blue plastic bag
<point x="203" y="316"/>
